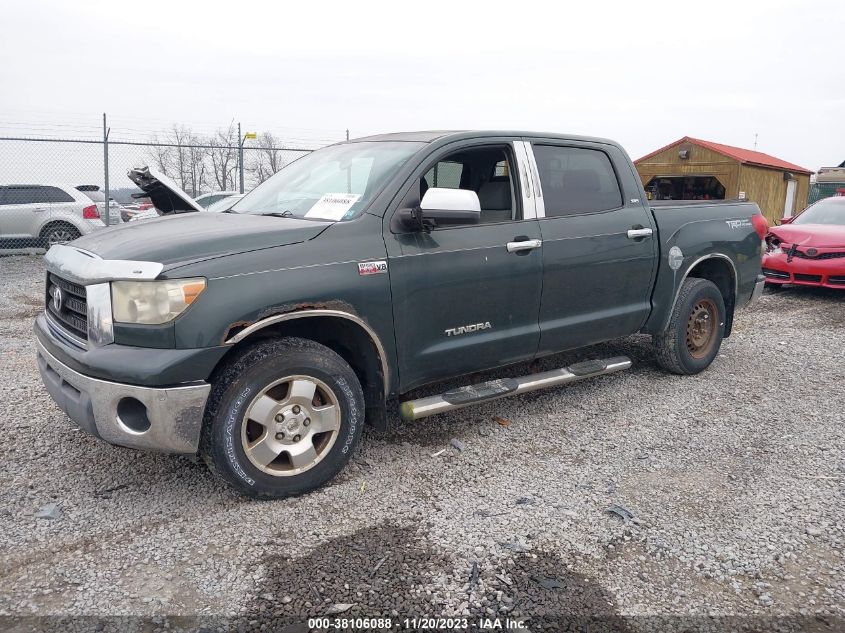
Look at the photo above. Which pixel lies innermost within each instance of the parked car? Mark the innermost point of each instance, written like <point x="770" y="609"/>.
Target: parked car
<point x="808" y="249"/>
<point x="99" y="198"/>
<point x="164" y="194"/>
<point x="207" y="199"/>
<point x="129" y="211"/>
<point x="46" y="215"/>
<point x="266" y="337"/>
<point x="223" y="206"/>
<point x="163" y="191"/>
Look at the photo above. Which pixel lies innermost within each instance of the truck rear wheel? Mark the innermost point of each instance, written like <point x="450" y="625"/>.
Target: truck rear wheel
<point x="283" y="418"/>
<point x="696" y="328"/>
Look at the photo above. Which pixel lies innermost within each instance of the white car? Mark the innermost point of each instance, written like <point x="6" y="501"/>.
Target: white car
<point x="207" y="199"/>
<point x="44" y="215"/>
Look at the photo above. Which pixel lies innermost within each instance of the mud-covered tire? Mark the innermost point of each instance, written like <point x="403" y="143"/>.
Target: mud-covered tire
<point x="682" y="348"/>
<point x="250" y="376"/>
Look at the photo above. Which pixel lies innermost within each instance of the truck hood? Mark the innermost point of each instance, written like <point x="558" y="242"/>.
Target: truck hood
<point x="818" y="235"/>
<point x="165" y="194"/>
<point x="177" y="239"/>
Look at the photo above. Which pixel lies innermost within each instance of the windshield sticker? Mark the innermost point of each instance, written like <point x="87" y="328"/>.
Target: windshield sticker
<point x="333" y="206"/>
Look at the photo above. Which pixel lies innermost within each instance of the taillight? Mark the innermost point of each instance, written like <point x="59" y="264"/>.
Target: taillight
<point x="760" y="225"/>
<point x="91" y="213"/>
<point x="144" y="207"/>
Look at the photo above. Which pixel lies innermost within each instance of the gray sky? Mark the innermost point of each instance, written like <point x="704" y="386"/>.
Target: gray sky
<point x="643" y="73"/>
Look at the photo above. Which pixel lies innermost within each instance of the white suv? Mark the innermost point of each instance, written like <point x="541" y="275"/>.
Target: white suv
<point x="43" y="215"/>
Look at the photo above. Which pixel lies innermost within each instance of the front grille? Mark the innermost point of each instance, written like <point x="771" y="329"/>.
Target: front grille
<point x="839" y="281"/>
<point x="803" y="277"/>
<point x="777" y="274"/>
<point x="72" y="314"/>
<point x="802" y="255"/>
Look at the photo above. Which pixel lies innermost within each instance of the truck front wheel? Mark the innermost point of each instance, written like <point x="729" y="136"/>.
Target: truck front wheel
<point x="692" y="339"/>
<point x="284" y="416"/>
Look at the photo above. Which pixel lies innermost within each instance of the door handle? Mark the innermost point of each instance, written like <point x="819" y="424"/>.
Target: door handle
<point x="40" y="209"/>
<point x="524" y="245"/>
<point x="634" y="234"/>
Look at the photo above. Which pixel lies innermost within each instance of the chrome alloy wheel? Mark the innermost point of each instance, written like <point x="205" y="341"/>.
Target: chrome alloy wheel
<point x="59" y="236"/>
<point x="291" y="425"/>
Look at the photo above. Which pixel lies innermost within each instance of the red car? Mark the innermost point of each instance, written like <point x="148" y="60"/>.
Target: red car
<point x="809" y="249"/>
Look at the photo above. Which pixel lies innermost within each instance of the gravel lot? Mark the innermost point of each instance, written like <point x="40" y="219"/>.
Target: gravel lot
<point x="734" y="479"/>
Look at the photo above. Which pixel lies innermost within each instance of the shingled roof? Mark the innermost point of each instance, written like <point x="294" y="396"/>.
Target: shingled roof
<point x="745" y="156"/>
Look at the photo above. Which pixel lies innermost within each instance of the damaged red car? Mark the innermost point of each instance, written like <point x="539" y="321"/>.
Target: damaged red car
<point x="809" y="249"/>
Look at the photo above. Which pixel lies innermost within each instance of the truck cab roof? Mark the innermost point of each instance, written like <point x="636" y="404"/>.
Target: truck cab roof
<point x="430" y="136"/>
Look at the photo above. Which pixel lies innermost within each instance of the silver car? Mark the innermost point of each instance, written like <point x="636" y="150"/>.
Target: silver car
<point x="43" y="215"/>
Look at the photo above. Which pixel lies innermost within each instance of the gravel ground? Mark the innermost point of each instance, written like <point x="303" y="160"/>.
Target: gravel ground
<point x="734" y="480"/>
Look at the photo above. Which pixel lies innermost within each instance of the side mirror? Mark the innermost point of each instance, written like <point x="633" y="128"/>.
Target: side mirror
<point x="444" y="207"/>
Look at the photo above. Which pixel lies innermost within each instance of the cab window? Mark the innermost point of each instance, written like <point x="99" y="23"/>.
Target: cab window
<point x="484" y="170"/>
<point x="576" y="180"/>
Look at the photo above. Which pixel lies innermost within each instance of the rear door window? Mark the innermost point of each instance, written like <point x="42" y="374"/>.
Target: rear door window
<point x="54" y="194"/>
<point x="576" y="180"/>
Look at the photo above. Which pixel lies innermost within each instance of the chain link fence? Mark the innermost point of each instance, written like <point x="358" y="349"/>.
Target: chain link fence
<point x="819" y="190"/>
<point x="53" y="190"/>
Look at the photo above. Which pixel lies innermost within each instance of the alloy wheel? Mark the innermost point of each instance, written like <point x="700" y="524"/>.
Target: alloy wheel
<point x="291" y="425"/>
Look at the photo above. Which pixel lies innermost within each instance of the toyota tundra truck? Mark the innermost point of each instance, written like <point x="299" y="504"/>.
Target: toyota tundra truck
<point x="263" y="339"/>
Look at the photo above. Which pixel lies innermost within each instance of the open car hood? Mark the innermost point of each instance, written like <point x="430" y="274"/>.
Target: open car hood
<point x="165" y="194"/>
<point x="818" y="235"/>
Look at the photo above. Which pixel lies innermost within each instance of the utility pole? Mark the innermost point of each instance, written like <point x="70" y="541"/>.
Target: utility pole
<point x="241" y="156"/>
<point x="347" y="135"/>
<point x="106" y="131"/>
<point x="241" y="139"/>
<point x="755" y="141"/>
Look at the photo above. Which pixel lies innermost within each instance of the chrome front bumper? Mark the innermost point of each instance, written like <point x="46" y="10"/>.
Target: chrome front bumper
<point x="148" y="418"/>
<point x="758" y="289"/>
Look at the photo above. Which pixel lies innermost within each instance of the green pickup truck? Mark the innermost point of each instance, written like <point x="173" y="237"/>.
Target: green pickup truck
<point x="265" y="337"/>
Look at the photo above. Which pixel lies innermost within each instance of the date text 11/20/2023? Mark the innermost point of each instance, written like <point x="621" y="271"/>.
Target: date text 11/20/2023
<point x="417" y="624"/>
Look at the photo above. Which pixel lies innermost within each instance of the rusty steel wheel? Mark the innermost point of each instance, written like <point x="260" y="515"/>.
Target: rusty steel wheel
<point x="694" y="333"/>
<point x="701" y="328"/>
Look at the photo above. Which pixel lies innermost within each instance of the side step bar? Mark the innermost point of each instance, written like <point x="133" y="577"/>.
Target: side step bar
<point x="494" y="389"/>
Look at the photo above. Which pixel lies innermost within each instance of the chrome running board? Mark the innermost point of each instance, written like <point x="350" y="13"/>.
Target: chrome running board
<point x="503" y="387"/>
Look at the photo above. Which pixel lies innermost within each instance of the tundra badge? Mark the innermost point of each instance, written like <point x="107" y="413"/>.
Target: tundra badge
<point x="466" y="329"/>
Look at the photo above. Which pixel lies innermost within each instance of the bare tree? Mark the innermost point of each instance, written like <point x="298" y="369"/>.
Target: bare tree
<point x="199" y="167"/>
<point x="160" y="156"/>
<point x="223" y="154"/>
<point x="177" y="157"/>
<point x="266" y="158"/>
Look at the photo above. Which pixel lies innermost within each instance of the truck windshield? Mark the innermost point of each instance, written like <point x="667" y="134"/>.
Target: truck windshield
<point x="333" y="183"/>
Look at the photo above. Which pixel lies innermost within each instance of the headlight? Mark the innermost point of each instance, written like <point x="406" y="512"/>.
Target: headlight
<point x="153" y="302"/>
